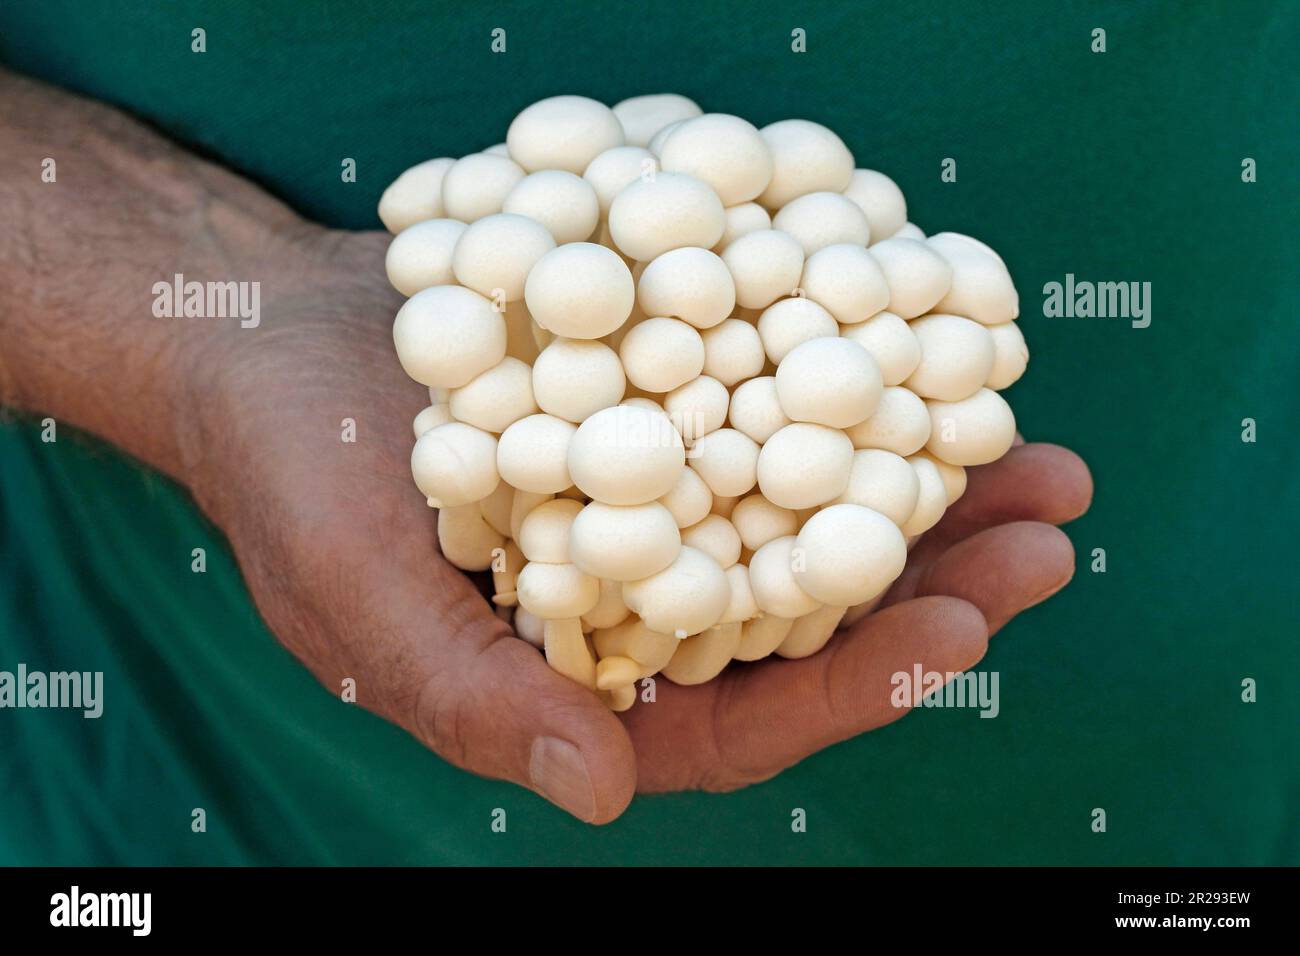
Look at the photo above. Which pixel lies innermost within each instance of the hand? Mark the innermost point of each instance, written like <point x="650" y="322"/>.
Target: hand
<point x="337" y="545"/>
<point x="340" y="553"/>
<point x="994" y="554"/>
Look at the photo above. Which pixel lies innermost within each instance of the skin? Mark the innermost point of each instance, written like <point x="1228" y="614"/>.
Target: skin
<point x="335" y="543"/>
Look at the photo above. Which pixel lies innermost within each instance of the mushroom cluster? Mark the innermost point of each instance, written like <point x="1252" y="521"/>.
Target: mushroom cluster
<point x="695" y="386"/>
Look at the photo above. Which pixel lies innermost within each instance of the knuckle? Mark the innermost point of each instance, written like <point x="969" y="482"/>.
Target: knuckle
<point x="439" y="720"/>
<point x="447" y="703"/>
<point x="724" y="770"/>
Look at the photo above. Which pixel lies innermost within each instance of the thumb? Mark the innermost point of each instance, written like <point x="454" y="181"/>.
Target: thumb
<point x="488" y="702"/>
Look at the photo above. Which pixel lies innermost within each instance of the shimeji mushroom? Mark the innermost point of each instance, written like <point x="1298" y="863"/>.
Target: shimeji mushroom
<point x="477" y="185"/>
<point x="626" y="455"/>
<point x="918" y="276"/>
<point x="759" y="521"/>
<point x="623" y="542"/>
<point x="790" y="322"/>
<point x="900" y="423"/>
<point x="506" y="564"/>
<point x="848" y="554"/>
<point x="631" y="638"/>
<point x="447" y="334"/>
<point x="643" y="116"/>
<point x="690" y="284"/>
<point x="823" y="219"/>
<point x="830" y="381"/>
<point x="740" y="220"/>
<point x="724" y="151"/>
<point x="701" y="658"/>
<point x="847" y="281"/>
<point x="880" y="200"/>
<point x="562" y="202"/>
<point x="804" y="465"/>
<point x="956" y="357"/>
<point x="580" y="290"/>
<point x="560" y="594"/>
<point x="574" y="378"/>
<point x="884" y="482"/>
<point x="809" y="634"/>
<point x="733" y="352"/>
<point x="766" y="265"/>
<point x="662" y="353"/>
<point x="762" y="636"/>
<point x="891" y="342"/>
<point x="420" y="256"/>
<point x="684" y="598"/>
<point x="652" y="216"/>
<point x="974" y="431"/>
<point x="694" y="387"/>
<point x="496" y="254"/>
<point x="806" y="158"/>
<point x="415" y="195"/>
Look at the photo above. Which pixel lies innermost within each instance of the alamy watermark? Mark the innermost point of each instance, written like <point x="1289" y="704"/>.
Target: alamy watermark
<point x="921" y="688"/>
<point x="627" y="428"/>
<point x="75" y="690"/>
<point x="75" y="908"/>
<point x="208" y="300"/>
<point x="1103" y="300"/>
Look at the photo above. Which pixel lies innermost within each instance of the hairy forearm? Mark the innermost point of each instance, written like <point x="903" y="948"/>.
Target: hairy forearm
<point x="97" y="209"/>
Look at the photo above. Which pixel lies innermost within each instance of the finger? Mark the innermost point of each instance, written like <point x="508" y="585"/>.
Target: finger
<point x="1033" y="482"/>
<point x="488" y="702"/>
<point x="1003" y="570"/>
<point x="773" y="714"/>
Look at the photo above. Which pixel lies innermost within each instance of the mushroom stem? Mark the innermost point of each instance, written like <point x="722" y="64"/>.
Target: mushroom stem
<point x="811" y="632"/>
<point x="567" y="651"/>
<point x="631" y="638"/>
<point x="702" y="657"/>
<point x="761" y="636"/>
<point x="505" y="574"/>
<point x="620" y="698"/>
<point x="615" y="672"/>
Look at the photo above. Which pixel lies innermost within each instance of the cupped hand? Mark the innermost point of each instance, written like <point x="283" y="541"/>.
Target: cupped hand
<point x="340" y="553"/>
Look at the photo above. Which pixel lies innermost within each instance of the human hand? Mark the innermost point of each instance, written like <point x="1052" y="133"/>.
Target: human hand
<point x="340" y="553"/>
<point x="337" y="546"/>
<point x="995" y="553"/>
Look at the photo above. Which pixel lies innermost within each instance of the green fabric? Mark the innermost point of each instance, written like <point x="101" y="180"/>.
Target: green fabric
<point x="1123" y="692"/>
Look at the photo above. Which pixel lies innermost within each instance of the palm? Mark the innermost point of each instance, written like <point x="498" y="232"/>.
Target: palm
<point x="994" y="554"/>
<point x="347" y="574"/>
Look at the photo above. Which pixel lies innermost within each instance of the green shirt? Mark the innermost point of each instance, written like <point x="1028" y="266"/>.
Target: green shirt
<point x="1123" y="693"/>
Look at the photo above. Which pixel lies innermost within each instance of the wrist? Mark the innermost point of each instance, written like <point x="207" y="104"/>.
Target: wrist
<point x="96" y="330"/>
<point x="254" y="388"/>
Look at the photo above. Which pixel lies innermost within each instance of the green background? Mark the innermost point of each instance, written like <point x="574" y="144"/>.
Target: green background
<point x="1123" y="692"/>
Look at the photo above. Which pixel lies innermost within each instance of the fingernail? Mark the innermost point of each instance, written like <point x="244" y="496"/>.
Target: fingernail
<point x="1050" y="592"/>
<point x="559" y="773"/>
